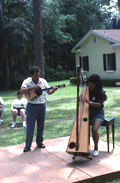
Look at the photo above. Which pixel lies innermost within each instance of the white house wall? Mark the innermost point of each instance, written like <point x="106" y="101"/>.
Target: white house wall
<point x="95" y="52"/>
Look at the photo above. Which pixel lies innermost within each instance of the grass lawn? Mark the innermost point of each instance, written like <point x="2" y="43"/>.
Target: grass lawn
<point x="61" y="110"/>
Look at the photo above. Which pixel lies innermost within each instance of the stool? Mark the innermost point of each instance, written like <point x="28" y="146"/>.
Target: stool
<point x="108" y="122"/>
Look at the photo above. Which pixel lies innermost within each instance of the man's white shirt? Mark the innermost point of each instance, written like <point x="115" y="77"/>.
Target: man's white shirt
<point x="42" y="84"/>
<point x="19" y="103"/>
<point x="1" y="101"/>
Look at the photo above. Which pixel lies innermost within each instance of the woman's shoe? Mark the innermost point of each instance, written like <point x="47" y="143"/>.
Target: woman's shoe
<point x="95" y="153"/>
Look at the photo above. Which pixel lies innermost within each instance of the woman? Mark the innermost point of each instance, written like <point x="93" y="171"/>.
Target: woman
<point x="96" y="113"/>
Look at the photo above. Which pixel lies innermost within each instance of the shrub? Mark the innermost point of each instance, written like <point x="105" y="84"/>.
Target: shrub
<point x="105" y="82"/>
<point x="59" y="68"/>
<point x="110" y="82"/>
<point x="52" y="74"/>
<point x="16" y="80"/>
<point x="73" y="80"/>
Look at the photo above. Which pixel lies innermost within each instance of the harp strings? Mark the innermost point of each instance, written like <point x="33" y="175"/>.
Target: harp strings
<point x="83" y="80"/>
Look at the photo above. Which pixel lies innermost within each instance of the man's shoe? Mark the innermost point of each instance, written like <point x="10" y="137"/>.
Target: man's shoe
<point x="26" y="149"/>
<point x="41" y="146"/>
<point x="14" y="124"/>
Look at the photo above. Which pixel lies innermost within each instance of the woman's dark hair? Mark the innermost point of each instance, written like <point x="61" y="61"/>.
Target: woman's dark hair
<point x="96" y="79"/>
<point x="34" y="69"/>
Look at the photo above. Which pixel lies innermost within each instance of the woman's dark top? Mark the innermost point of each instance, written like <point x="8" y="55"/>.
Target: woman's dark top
<point x="97" y="97"/>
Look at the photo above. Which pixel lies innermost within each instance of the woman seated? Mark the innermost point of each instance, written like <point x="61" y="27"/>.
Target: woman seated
<point x="97" y="97"/>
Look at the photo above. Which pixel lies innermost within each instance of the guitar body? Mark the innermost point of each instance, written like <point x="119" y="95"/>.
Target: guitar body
<point x="31" y="95"/>
<point x="35" y="93"/>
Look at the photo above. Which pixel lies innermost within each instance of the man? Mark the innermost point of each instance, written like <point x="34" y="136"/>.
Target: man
<point x="2" y="105"/>
<point x="18" y="107"/>
<point x="36" y="107"/>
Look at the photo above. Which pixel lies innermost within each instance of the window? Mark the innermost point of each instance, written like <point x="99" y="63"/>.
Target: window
<point x="94" y="40"/>
<point x="109" y="62"/>
<point x="84" y="63"/>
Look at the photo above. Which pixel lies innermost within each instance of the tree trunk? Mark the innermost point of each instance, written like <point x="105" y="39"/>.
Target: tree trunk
<point x="38" y="35"/>
<point x="3" y="53"/>
<point x="6" y="69"/>
<point x="119" y="6"/>
<point x="1" y="25"/>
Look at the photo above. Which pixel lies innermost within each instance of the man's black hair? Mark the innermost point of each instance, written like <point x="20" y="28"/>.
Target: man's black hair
<point x="18" y="93"/>
<point x="34" y="69"/>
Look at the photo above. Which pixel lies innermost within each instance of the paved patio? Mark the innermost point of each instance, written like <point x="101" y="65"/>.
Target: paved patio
<point x="54" y="165"/>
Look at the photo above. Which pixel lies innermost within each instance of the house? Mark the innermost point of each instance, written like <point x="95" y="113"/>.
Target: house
<point x="98" y="52"/>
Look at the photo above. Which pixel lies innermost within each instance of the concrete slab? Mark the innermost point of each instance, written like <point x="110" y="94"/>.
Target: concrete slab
<point x="105" y="164"/>
<point x="54" y="165"/>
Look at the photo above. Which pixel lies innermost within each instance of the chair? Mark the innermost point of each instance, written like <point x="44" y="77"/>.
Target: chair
<point x="3" y="117"/>
<point x="18" y="118"/>
<point x="108" y="121"/>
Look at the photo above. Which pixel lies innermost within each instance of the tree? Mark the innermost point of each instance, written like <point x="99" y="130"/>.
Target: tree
<point x="64" y="22"/>
<point x="16" y="36"/>
<point x="55" y="34"/>
<point x="1" y="27"/>
<point x="38" y="35"/>
<point x="4" y="55"/>
<point x="119" y="5"/>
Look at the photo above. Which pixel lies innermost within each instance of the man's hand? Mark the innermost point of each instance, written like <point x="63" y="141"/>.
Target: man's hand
<point x="36" y="87"/>
<point x="55" y="88"/>
<point x="24" y="90"/>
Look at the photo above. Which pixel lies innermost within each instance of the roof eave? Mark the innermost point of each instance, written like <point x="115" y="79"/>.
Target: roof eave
<point x="94" y="33"/>
<point x="115" y="45"/>
<point x="79" y="43"/>
<point x="76" y="51"/>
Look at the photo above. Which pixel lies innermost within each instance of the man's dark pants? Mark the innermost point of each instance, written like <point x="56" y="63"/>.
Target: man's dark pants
<point x="35" y="113"/>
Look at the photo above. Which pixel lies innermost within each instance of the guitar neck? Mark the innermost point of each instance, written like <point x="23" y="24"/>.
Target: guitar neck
<point x="59" y="86"/>
<point x="45" y="89"/>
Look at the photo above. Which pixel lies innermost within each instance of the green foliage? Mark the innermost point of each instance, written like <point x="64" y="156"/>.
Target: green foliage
<point x="55" y="35"/>
<point x="16" y="80"/>
<point x="65" y="22"/>
<point x="17" y="34"/>
<point x="57" y="74"/>
<point x="73" y="80"/>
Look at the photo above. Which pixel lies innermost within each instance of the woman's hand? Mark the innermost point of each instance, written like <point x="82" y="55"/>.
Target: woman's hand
<point x="84" y="99"/>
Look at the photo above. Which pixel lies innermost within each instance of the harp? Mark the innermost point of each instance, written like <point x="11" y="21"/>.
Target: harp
<point x="78" y="144"/>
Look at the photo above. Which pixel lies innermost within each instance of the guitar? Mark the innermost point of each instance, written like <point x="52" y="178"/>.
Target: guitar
<point x="35" y="93"/>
